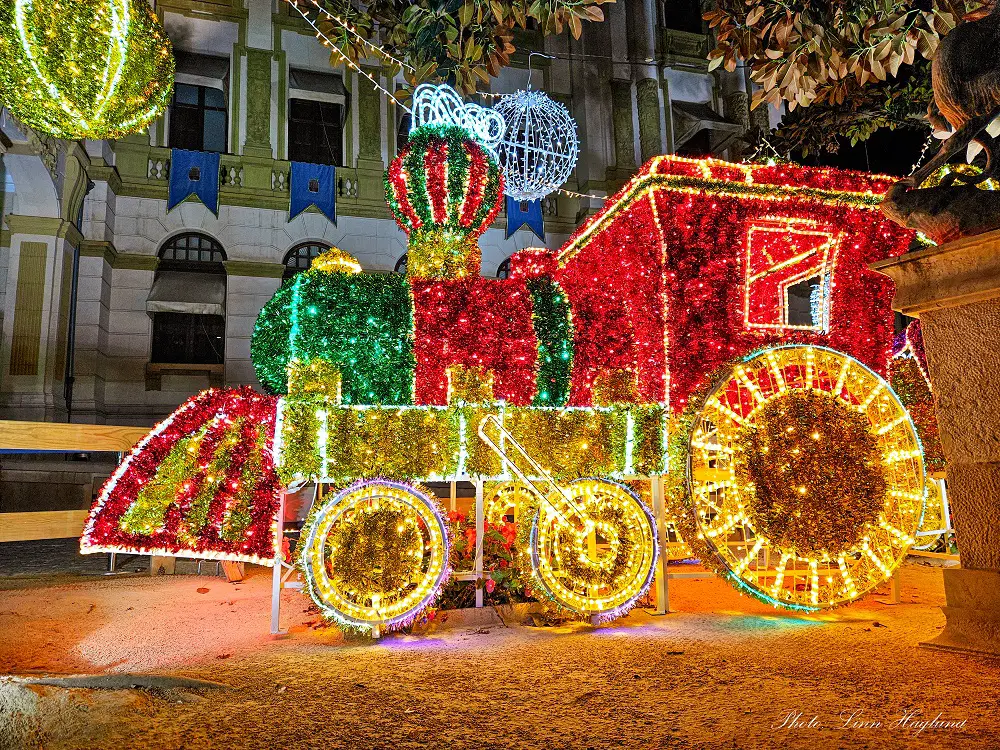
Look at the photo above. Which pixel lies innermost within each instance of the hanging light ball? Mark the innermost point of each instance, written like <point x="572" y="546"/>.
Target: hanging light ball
<point x="88" y="69"/>
<point x="539" y="146"/>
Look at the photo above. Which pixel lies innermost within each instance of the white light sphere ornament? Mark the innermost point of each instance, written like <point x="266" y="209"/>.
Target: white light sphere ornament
<point x="539" y="146"/>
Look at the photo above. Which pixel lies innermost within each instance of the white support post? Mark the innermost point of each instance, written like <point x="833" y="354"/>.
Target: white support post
<point x="480" y="532"/>
<point x="945" y="509"/>
<point x="660" y="514"/>
<point x="453" y="500"/>
<point x="276" y="573"/>
<point x="894" y="588"/>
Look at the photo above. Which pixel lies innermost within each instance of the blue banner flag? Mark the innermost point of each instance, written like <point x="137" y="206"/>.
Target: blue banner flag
<point x="197" y="173"/>
<point x="313" y="185"/>
<point x="520" y="213"/>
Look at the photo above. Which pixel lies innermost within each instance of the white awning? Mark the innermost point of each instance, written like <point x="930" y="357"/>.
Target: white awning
<point x="196" y="293"/>
<point x="319" y="87"/>
<point x="201" y="70"/>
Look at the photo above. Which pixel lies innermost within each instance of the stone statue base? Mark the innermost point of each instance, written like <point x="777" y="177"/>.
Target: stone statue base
<point x="955" y="291"/>
<point x="972" y="612"/>
<point x="944" y="213"/>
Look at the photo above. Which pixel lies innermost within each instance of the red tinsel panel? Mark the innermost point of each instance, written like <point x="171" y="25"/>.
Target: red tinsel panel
<point x="694" y="257"/>
<point x="218" y="502"/>
<point x="476" y="322"/>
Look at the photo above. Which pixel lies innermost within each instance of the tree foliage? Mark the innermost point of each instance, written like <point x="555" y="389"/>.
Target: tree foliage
<point x="461" y="42"/>
<point x="844" y="67"/>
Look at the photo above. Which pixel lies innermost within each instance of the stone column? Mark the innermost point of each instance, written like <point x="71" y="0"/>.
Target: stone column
<point x="371" y="125"/>
<point x="258" y="152"/>
<point x="624" y="131"/>
<point x="250" y="285"/>
<point x="647" y="93"/>
<point x="955" y="291"/>
<point x="36" y="317"/>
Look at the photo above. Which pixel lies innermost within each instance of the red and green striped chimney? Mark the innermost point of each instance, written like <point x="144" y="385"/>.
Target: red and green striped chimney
<point x="445" y="190"/>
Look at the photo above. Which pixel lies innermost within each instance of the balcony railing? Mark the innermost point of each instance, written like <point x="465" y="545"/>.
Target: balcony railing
<point x="264" y="183"/>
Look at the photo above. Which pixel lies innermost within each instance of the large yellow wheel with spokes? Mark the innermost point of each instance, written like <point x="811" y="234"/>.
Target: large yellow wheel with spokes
<point x="376" y="554"/>
<point x="597" y="565"/>
<point x="806" y="477"/>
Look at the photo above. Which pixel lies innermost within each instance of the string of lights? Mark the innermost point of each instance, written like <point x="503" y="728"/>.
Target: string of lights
<point x="380" y="51"/>
<point x="350" y="63"/>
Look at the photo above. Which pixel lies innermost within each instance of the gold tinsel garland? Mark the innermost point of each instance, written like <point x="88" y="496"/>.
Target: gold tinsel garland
<point x="577" y="563"/>
<point x="378" y="550"/>
<point x="811" y="473"/>
<point x="424" y="441"/>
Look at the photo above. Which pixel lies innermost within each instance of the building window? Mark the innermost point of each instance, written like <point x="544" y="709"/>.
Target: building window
<point x="682" y="15"/>
<point x="300" y="257"/>
<point x="187" y="302"/>
<point x="186" y="338"/>
<point x="503" y="270"/>
<point x="192" y="247"/>
<point x="317" y="106"/>
<point x="198" y="118"/>
<point x="403" y="132"/>
<point x="400" y="265"/>
<point x="315" y="132"/>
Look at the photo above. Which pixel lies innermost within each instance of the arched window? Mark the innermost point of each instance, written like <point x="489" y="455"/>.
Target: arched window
<point x="503" y="270"/>
<point x="192" y="247"/>
<point x="188" y="302"/>
<point x="300" y="257"/>
<point x="400" y="264"/>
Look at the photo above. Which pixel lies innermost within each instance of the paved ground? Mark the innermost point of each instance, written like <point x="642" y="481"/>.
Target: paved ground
<point x="723" y="672"/>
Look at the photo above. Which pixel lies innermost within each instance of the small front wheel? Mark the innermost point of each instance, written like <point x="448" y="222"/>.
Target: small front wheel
<point x="603" y="569"/>
<point x="376" y="554"/>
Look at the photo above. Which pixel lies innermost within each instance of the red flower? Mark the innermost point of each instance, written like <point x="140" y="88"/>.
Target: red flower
<point x="490" y="585"/>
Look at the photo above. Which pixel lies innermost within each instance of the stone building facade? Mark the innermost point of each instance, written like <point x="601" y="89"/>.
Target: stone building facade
<point x="86" y="226"/>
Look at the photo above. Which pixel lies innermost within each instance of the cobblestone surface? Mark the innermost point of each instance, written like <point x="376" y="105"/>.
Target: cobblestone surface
<point x="722" y="672"/>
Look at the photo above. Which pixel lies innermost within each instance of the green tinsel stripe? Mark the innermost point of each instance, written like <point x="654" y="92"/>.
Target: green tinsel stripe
<point x="551" y="318"/>
<point x="270" y="344"/>
<point x="239" y="517"/>
<point x="491" y="194"/>
<point x="416" y="177"/>
<point x="148" y="513"/>
<point x="212" y="480"/>
<point x="458" y="175"/>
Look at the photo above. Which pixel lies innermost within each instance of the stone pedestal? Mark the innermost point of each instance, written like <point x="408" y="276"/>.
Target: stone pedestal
<point x="955" y="291"/>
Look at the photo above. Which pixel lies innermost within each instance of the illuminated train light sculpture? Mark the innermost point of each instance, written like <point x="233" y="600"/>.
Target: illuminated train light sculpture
<point x="714" y="333"/>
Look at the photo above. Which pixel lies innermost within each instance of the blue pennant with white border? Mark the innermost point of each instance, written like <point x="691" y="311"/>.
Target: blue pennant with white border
<point x="313" y="185"/>
<point x="521" y="213"/>
<point x="194" y="173"/>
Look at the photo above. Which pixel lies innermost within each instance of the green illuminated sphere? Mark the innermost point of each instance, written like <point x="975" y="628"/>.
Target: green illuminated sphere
<point x="84" y="69"/>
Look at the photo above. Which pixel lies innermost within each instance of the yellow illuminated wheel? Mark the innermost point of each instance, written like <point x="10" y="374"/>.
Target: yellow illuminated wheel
<point x="507" y="504"/>
<point x="376" y="554"/>
<point x="601" y="569"/>
<point x="806" y="477"/>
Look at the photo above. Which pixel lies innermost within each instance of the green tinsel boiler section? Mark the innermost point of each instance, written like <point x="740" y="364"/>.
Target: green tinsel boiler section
<point x="361" y="324"/>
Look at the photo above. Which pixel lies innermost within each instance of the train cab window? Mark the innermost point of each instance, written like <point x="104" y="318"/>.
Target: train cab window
<point x="804" y="303"/>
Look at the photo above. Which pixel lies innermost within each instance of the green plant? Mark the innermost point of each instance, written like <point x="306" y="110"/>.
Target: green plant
<point x="844" y="67"/>
<point x="460" y="42"/>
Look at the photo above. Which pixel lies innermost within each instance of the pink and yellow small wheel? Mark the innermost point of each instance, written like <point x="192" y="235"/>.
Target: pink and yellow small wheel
<point x="375" y="554"/>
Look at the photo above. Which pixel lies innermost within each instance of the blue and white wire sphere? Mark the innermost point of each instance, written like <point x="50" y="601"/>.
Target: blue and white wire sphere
<point x="539" y="145"/>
